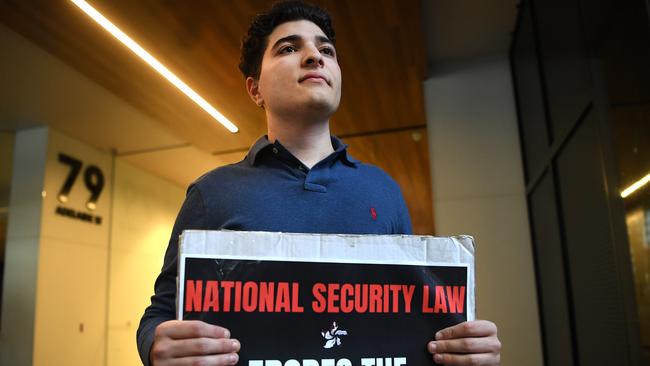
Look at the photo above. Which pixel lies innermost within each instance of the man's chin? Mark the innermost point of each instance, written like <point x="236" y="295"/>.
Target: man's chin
<point x="317" y="102"/>
<point x="321" y="104"/>
<point x="314" y="108"/>
<point x="323" y="108"/>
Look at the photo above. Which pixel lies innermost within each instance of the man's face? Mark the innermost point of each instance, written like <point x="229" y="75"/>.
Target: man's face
<point x="299" y="71"/>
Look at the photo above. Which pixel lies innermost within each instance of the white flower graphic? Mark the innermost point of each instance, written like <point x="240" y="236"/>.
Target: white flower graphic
<point x="332" y="336"/>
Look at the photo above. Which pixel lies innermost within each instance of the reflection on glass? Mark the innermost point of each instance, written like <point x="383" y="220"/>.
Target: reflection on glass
<point x="632" y="126"/>
<point x="626" y="56"/>
<point x="638" y="229"/>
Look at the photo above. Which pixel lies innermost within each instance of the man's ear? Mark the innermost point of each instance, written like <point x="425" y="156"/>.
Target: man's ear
<point x="253" y="89"/>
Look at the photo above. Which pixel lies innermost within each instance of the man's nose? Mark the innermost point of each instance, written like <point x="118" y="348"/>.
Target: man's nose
<point x="312" y="57"/>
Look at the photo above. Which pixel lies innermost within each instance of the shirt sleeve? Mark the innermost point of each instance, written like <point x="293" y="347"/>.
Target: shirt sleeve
<point x="192" y="215"/>
<point x="403" y="218"/>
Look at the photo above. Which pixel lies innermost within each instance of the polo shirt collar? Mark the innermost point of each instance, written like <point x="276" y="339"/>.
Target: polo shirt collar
<point x="258" y="146"/>
<point x="340" y="148"/>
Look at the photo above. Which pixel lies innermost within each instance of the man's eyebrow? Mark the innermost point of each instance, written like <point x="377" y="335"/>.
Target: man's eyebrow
<point x="291" y="38"/>
<point x="295" y="37"/>
<point x="323" y="39"/>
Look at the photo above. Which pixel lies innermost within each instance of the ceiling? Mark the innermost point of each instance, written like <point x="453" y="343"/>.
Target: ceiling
<point x="462" y="30"/>
<point x="199" y="41"/>
<point x="384" y="48"/>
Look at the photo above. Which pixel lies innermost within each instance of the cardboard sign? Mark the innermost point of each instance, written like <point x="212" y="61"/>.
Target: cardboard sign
<point x="308" y="300"/>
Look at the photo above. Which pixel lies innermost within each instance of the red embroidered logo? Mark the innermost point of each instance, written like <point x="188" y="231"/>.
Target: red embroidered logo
<point x="373" y="212"/>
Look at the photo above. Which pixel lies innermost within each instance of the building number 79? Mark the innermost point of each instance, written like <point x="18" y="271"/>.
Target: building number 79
<point x="93" y="179"/>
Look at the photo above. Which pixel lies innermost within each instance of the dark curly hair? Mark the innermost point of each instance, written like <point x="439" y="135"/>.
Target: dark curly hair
<point x="255" y="41"/>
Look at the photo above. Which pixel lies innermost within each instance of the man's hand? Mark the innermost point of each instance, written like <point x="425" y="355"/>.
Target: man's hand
<point x="468" y="343"/>
<point x="193" y="342"/>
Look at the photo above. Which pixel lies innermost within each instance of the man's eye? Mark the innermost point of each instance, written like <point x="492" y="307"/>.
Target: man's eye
<point x="328" y="51"/>
<point x="288" y="49"/>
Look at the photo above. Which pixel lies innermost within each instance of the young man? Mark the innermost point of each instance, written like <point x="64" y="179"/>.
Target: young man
<point x="296" y="179"/>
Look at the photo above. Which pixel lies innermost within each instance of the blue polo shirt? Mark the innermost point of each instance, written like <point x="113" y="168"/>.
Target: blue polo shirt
<point x="271" y="190"/>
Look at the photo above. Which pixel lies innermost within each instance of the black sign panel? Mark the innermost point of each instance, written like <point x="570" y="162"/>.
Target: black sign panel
<point x="318" y="314"/>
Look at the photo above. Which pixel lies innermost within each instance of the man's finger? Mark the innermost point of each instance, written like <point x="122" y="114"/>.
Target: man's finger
<point x="477" y="328"/>
<point x="466" y="345"/>
<point x="203" y="346"/>
<point x="183" y="329"/>
<point x="476" y="359"/>
<point x="215" y="360"/>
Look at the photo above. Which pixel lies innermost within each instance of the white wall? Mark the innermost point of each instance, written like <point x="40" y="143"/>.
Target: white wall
<point x="144" y="211"/>
<point x="478" y="189"/>
<point x="54" y="302"/>
<point x="74" y="291"/>
<point x="72" y="262"/>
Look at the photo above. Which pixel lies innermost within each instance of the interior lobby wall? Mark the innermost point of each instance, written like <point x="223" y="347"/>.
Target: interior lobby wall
<point x="54" y="300"/>
<point x="478" y="189"/>
<point x="76" y="287"/>
<point x="60" y="279"/>
<point x="144" y="210"/>
<point x="21" y="252"/>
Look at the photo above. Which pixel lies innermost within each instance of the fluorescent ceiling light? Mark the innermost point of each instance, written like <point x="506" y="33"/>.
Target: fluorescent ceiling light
<point x="635" y="186"/>
<point x="146" y="56"/>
